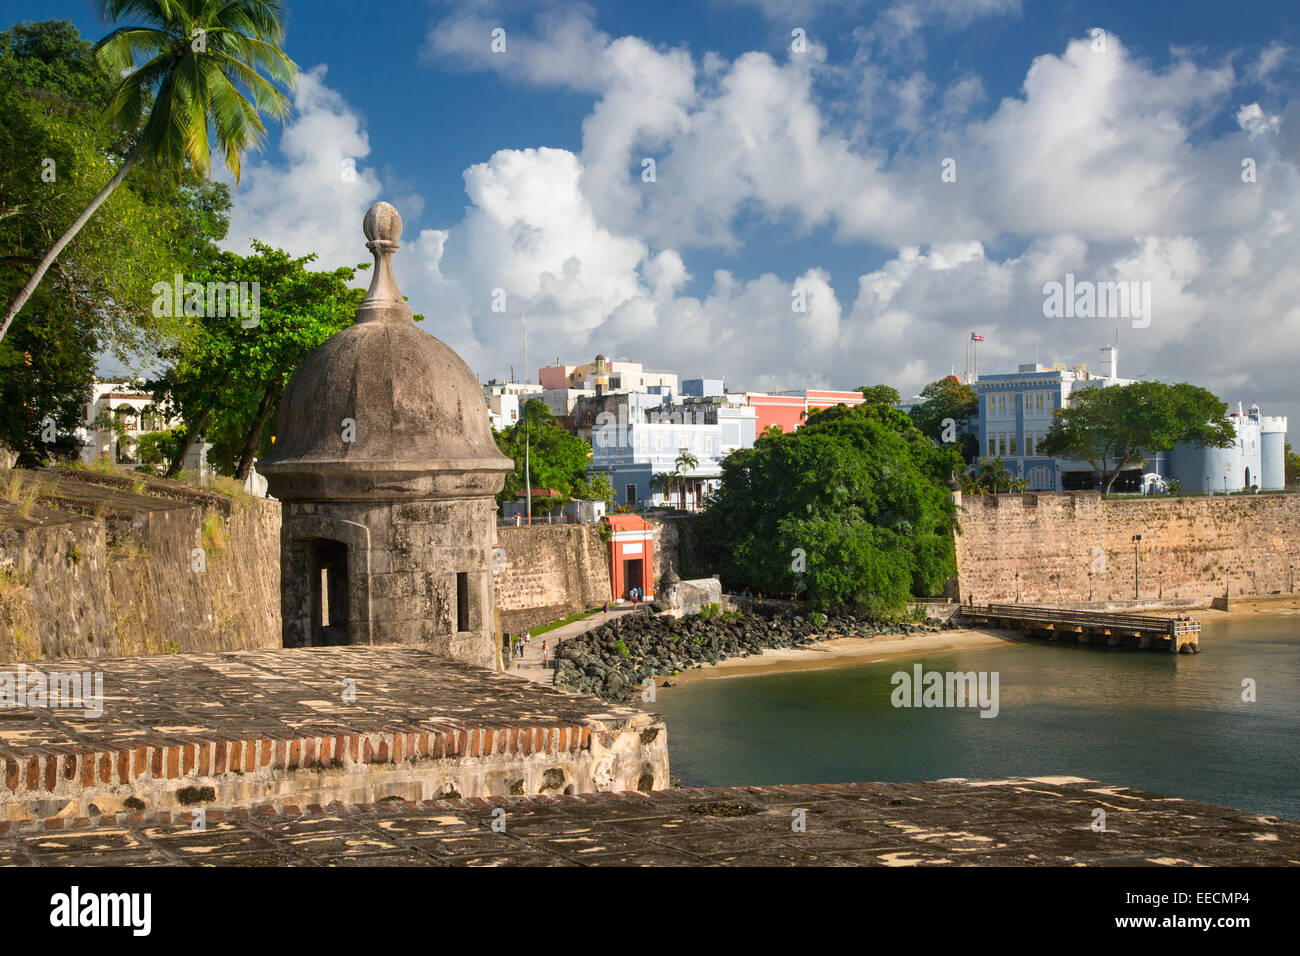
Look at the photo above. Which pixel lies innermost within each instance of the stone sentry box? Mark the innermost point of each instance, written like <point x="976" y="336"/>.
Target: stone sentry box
<point x="386" y="469"/>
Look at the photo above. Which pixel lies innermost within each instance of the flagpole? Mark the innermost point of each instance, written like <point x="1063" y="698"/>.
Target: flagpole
<point x="528" y="478"/>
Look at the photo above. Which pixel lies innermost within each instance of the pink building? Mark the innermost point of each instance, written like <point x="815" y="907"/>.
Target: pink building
<point x="788" y="409"/>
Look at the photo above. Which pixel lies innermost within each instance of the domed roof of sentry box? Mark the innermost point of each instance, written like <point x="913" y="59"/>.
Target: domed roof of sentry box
<point x="382" y="408"/>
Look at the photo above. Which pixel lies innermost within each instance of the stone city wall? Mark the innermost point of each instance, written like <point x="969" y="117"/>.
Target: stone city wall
<point x="205" y="770"/>
<point x="1074" y="547"/>
<point x="358" y="724"/>
<point x="546" y="572"/>
<point x="125" y="582"/>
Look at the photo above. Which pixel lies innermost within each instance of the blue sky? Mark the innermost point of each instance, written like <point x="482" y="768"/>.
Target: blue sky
<point x="816" y="171"/>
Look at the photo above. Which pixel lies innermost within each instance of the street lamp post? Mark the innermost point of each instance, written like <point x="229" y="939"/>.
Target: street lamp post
<point x="1291" y="589"/>
<point x="1161" y="576"/>
<point x="1136" y="539"/>
<point x="1017" y="587"/>
<point x="1089" y="587"/>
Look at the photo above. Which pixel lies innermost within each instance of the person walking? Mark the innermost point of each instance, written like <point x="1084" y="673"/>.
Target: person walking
<point x="543" y="653"/>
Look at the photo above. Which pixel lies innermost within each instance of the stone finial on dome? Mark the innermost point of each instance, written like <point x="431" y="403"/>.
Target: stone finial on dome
<point x="383" y="301"/>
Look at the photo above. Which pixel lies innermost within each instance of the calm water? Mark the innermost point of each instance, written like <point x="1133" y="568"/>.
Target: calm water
<point x="1174" y="724"/>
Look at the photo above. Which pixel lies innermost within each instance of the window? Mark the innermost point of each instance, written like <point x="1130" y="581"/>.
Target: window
<point x="993" y="446"/>
<point x="462" y="601"/>
<point x="324" y="597"/>
<point x="1038" y="404"/>
<point x="1011" y="440"/>
<point x="630" y="491"/>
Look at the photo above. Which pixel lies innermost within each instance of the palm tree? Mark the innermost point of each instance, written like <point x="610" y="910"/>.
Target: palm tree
<point x="685" y="462"/>
<point x="665" y="480"/>
<point x="201" y="79"/>
<point x="993" y="476"/>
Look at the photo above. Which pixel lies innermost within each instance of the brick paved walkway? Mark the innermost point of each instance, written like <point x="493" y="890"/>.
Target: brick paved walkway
<point x="1043" y="821"/>
<point x="530" y="665"/>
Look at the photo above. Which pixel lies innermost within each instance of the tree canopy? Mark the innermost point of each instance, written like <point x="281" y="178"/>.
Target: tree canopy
<point x="879" y="394"/>
<point x="56" y="150"/>
<point x="852" y="511"/>
<point x="948" y="399"/>
<point x="227" y="377"/>
<point x="1113" y="428"/>
<point x="186" y="77"/>
<point x="556" y="459"/>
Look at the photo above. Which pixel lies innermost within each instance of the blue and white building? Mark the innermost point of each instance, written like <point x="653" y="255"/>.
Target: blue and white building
<point x="1016" y="411"/>
<point x="1015" y="414"/>
<point x="648" y="432"/>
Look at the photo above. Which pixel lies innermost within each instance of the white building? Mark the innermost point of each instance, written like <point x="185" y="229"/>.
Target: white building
<point x="136" y="413"/>
<point x="1256" y="459"/>
<point x="505" y="401"/>
<point x="646" y="434"/>
<point x="132" y="408"/>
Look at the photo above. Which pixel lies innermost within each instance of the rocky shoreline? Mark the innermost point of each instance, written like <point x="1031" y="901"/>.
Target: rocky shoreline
<point x="613" y="661"/>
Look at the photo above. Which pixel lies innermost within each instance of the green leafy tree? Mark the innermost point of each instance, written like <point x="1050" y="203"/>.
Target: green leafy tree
<point x="666" y="480"/>
<point x="1112" y="428"/>
<point x="685" y="462"/>
<point x="556" y="459"/>
<point x="594" y="488"/>
<point x="158" y="447"/>
<point x="879" y="394"/>
<point x="852" y="510"/>
<point x="992" y="477"/>
<point x="946" y="399"/>
<point x="1292" y="467"/>
<point x="56" y="149"/>
<point x="191" y="77"/>
<point x="227" y="374"/>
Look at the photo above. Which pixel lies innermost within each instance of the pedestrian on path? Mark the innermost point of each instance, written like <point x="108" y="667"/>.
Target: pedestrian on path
<point x="543" y="653"/>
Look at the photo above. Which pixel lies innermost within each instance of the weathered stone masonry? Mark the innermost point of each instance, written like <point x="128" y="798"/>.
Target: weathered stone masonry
<point x="315" y="725"/>
<point x="1062" y="545"/>
<point x="126" y="583"/>
<point x="387" y="471"/>
<point x="549" y="572"/>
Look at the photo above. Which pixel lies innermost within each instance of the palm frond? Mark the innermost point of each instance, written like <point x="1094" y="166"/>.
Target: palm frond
<point x="119" y="51"/>
<point x="195" y="97"/>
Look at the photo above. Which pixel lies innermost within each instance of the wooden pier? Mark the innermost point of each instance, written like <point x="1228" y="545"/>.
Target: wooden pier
<point x="1090" y="627"/>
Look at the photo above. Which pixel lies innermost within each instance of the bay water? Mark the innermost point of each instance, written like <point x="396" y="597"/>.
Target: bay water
<point x="1173" y="724"/>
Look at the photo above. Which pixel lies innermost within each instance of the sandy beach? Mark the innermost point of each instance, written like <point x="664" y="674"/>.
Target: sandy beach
<point x="845" y="651"/>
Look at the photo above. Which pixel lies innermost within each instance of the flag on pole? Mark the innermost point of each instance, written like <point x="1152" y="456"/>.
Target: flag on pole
<point x="976" y="338"/>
